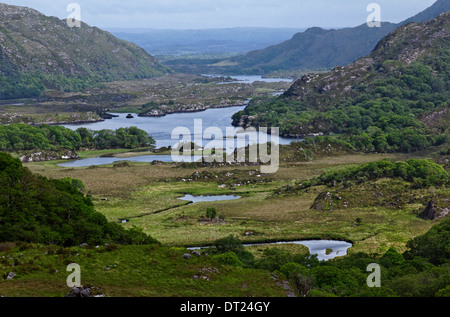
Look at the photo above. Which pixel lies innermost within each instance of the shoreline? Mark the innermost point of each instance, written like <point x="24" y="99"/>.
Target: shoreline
<point x="161" y="113"/>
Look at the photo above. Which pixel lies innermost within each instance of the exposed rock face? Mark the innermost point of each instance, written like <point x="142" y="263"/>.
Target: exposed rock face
<point x="84" y="292"/>
<point x="432" y="211"/>
<point x="429" y="212"/>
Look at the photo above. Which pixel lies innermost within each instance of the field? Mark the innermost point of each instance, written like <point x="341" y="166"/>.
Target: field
<point x="147" y="195"/>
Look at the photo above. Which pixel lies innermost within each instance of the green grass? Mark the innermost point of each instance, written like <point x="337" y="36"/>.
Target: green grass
<point x="147" y="195"/>
<point x="129" y="271"/>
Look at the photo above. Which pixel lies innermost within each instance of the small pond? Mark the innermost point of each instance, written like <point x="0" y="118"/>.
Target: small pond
<point x="320" y="247"/>
<point x="317" y="247"/>
<point x="197" y="199"/>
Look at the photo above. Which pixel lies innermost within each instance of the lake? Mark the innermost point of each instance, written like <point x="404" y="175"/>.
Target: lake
<point x="250" y="79"/>
<point x="316" y="247"/>
<point x="197" y="199"/>
<point x="97" y="161"/>
<point x="161" y="128"/>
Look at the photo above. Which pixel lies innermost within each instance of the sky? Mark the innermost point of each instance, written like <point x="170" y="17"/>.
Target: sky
<point x="204" y="14"/>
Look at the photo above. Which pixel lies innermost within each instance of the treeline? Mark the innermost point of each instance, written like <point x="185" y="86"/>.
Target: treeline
<point x="422" y="271"/>
<point x="423" y="173"/>
<point x="32" y="85"/>
<point x="35" y="209"/>
<point x="23" y="137"/>
<point x="383" y="116"/>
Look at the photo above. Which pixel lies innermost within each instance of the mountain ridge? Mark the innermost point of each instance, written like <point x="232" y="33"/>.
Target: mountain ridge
<point x="394" y="99"/>
<point x="320" y="50"/>
<point x="32" y="44"/>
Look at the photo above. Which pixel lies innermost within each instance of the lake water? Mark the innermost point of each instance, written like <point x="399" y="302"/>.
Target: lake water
<point x="197" y="199"/>
<point x="319" y="247"/>
<point x="96" y="161"/>
<point x="161" y="128"/>
<point x="250" y="79"/>
<point x="316" y="247"/>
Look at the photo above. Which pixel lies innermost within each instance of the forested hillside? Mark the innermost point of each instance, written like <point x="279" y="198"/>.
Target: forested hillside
<point x="39" y="210"/>
<point x="395" y="99"/>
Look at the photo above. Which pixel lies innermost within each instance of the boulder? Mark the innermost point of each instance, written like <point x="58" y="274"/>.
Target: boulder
<point x="429" y="212"/>
<point x="83" y="292"/>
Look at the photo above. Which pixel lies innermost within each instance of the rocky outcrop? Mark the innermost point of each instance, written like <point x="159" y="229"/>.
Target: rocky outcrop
<point x="83" y="291"/>
<point x="163" y="110"/>
<point x="433" y="211"/>
<point x="43" y="156"/>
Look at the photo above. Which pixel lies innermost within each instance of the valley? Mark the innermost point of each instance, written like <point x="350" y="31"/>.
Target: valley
<point x="91" y="171"/>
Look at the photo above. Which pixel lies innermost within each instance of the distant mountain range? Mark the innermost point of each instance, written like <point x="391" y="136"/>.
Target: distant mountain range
<point x="208" y="41"/>
<point x="320" y="49"/>
<point x="48" y="50"/>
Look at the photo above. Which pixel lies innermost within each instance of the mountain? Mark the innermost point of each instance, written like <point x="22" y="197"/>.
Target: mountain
<point x="204" y="41"/>
<point x="435" y="10"/>
<point x="394" y="99"/>
<point x="37" y="50"/>
<point x="415" y="42"/>
<point x="314" y="49"/>
<point x="319" y="49"/>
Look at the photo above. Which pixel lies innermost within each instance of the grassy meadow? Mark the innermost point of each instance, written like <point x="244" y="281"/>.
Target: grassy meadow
<point x="147" y="196"/>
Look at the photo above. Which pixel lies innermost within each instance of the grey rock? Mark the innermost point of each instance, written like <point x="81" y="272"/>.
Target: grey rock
<point x="82" y="292"/>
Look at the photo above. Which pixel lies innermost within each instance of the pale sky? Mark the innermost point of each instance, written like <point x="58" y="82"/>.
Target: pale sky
<point x="201" y="14"/>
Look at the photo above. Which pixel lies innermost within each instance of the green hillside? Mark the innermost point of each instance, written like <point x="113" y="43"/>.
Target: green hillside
<point x="319" y="49"/>
<point x="39" y="52"/>
<point x="395" y="99"/>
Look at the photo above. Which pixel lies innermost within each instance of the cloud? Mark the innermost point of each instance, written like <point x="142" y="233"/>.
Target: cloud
<point x="227" y="13"/>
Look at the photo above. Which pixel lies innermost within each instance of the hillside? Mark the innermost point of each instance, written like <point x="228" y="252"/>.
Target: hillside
<point x="38" y="52"/>
<point x="395" y="98"/>
<point x="318" y="49"/>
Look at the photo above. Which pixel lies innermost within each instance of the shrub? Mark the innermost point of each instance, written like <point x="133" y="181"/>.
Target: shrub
<point x="228" y="258"/>
<point x="211" y="213"/>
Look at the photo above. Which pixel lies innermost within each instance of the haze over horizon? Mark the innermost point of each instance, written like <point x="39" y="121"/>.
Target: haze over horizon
<point x="209" y="14"/>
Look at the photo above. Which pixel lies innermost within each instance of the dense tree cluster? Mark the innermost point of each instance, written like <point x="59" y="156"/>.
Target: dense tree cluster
<point x="39" y="210"/>
<point x="32" y="85"/>
<point x="423" y="172"/>
<point x="22" y="137"/>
